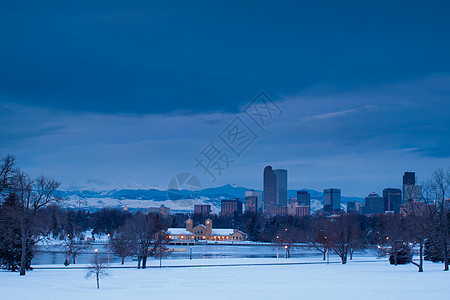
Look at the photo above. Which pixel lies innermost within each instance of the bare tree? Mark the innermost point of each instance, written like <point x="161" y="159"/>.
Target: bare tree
<point x="98" y="268"/>
<point x="316" y="236"/>
<point x="74" y="245"/>
<point x="142" y="230"/>
<point x="31" y="196"/>
<point x="159" y="248"/>
<point x="440" y="188"/>
<point x="343" y="234"/>
<point x="121" y="245"/>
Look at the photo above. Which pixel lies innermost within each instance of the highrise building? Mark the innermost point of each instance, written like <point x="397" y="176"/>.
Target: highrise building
<point x="392" y="199"/>
<point x="275" y="190"/>
<point x="409" y="179"/>
<point x="331" y="200"/>
<point x="281" y="187"/>
<point x="303" y="204"/>
<point x="230" y="207"/>
<point x="253" y="202"/>
<point x="374" y="204"/>
<point x="202" y="209"/>
<point x="303" y="198"/>
<point x="270" y="182"/>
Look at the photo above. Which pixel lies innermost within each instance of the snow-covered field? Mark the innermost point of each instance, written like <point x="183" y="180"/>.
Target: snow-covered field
<point x="364" y="278"/>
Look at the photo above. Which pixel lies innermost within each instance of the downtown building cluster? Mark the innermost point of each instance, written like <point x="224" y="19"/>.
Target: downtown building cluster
<point x="273" y="200"/>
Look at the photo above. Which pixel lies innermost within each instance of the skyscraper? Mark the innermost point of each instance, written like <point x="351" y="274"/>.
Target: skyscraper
<point x="270" y="182"/>
<point x="392" y="199"/>
<point x="374" y="204"/>
<point x="409" y="180"/>
<point x="253" y="202"/>
<point x="332" y="200"/>
<point x="275" y="190"/>
<point x="281" y="187"/>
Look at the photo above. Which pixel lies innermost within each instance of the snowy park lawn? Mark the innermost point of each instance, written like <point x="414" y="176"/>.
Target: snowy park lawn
<point x="355" y="280"/>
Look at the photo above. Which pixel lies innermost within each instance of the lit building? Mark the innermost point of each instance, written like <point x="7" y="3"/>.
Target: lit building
<point x="253" y="202"/>
<point x="331" y="200"/>
<point x="202" y="209"/>
<point x="230" y="207"/>
<point x="374" y="204"/>
<point x="204" y="232"/>
<point x="392" y="199"/>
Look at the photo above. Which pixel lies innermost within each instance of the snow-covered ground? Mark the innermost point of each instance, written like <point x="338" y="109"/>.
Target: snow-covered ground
<point x="364" y="278"/>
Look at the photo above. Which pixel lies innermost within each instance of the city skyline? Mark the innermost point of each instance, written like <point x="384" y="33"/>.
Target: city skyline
<point x="132" y="104"/>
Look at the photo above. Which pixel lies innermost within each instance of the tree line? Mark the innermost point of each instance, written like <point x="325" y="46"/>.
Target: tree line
<point x="30" y="211"/>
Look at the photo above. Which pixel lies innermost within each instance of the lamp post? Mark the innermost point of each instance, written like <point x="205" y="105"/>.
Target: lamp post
<point x="190" y="253"/>
<point x="109" y="240"/>
<point x="96" y="253"/>
<point x="286" y="247"/>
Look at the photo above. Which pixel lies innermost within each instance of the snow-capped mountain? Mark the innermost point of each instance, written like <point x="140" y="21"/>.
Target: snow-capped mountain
<point x="96" y="195"/>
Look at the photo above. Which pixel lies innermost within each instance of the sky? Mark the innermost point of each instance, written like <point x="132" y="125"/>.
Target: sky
<point x="132" y="93"/>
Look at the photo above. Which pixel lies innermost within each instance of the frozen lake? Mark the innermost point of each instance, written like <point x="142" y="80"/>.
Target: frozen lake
<point x="209" y="251"/>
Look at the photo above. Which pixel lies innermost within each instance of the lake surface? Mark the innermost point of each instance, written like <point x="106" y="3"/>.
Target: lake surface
<point x="182" y="252"/>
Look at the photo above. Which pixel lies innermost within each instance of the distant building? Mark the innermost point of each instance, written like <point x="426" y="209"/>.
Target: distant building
<point x="281" y="210"/>
<point x="303" y="198"/>
<point x="253" y="202"/>
<point x="409" y="179"/>
<point x="162" y="210"/>
<point x="374" y="204"/>
<point x="270" y="182"/>
<point x="230" y="207"/>
<point x="302" y="211"/>
<point x="292" y="207"/>
<point x="202" y="209"/>
<point x="204" y="232"/>
<point x="281" y="187"/>
<point x="303" y="204"/>
<point x="392" y="199"/>
<point x="331" y="200"/>
<point x="275" y="189"/>
<point x="355" y="207"/>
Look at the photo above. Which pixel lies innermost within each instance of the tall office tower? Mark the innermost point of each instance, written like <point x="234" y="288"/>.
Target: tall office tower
<point x="229" y="207"/>
<point x="275" y="190"/>
<point x="409" y="179"/>
<point x="202" y="209"/>
<point x="270" y="189"/>
<point x="281" y="187"/>
<point x="331" y="200"/>
<point x="253" y="202"/>
<point x="392" y="199"/>
<point x="374" y="204"/>
<point x="303" y="198"/>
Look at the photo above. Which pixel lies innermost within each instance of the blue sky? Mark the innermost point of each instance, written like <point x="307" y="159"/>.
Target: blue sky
<point x="131" y="92"/>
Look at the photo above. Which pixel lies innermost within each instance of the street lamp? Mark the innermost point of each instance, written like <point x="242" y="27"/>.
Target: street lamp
<point x="286" y="247"/>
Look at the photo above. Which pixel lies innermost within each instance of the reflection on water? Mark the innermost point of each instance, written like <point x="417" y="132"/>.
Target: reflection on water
<point x="181" y="252"/>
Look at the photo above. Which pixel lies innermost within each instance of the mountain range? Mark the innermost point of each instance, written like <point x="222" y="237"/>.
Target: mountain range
<point x="97" y="196"/>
